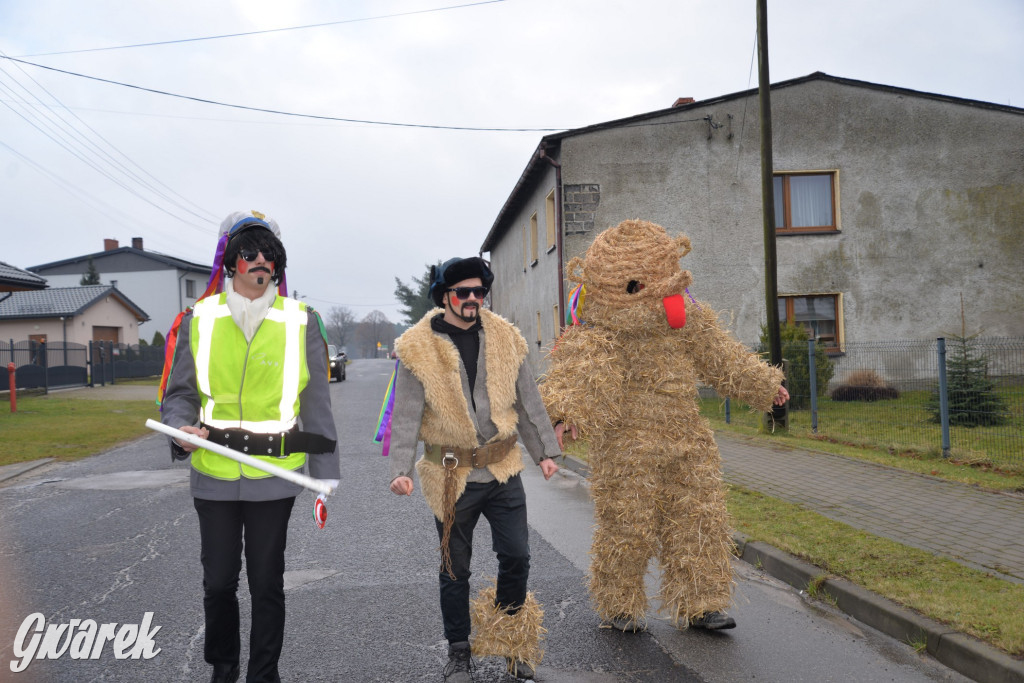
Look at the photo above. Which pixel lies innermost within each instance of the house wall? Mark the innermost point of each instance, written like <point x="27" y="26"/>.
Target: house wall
<point x="521" y="292"/>
<point x="107" y="312"/>
<point x="160" y="293"/>
<point x="930" y="203"/>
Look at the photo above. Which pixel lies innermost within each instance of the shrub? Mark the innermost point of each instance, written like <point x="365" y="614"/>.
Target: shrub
<point x="794" y="351"/>
<point x="864" y="385"/>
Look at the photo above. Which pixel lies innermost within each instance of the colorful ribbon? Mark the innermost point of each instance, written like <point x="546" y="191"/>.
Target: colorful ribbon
<point x="383" y="433"/>
<point x="576" y="297"/>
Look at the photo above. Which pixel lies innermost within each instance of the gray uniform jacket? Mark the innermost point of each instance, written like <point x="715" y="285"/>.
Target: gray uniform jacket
<point x="535" y="431"/>
<point x="181" y="407"/>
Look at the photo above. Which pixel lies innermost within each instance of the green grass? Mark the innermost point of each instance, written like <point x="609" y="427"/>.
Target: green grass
<point x="54" y="426"/>
<point x="967" y="600"/>
<point x="894" y="433"/>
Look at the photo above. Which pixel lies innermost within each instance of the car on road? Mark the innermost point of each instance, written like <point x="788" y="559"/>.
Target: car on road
<point x="337" y="360"/>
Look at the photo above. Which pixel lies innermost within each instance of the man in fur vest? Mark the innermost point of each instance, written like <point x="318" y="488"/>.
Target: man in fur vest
<point x="463" y="388"/>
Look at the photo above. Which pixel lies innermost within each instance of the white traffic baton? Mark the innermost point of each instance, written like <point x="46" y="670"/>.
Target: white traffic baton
<point x="318" y="485"/>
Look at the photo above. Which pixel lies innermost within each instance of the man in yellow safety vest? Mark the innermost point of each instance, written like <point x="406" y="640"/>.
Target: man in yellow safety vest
<point x="249" y="372"/>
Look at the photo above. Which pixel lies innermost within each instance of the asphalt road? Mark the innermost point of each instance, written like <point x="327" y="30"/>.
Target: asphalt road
<point x="115" y="536"/>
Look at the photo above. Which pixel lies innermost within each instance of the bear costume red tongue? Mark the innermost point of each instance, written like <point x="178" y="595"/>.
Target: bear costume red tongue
<point x="675" y="310"/>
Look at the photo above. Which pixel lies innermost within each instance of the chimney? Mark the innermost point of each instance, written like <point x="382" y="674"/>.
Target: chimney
<point x="682" y="100"/>
<point x="137" y="243"/>
<point x="109" y="244"/>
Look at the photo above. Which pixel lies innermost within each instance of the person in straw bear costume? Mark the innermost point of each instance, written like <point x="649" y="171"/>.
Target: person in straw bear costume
<point x="625" y="379"/>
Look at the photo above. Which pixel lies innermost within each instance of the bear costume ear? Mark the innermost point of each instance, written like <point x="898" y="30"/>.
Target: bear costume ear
<point x="574" y="270"/>
<point x="683" y="245"/>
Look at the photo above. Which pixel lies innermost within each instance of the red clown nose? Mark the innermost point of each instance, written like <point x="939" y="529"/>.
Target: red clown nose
<point x="675" y="310"/>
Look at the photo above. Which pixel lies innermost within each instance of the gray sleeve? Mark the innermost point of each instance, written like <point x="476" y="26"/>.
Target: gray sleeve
<point x="315" y="414"/>
<point x="180" y="404"/>
<point x="405" y="423"/>
<point x="534" y="428"/>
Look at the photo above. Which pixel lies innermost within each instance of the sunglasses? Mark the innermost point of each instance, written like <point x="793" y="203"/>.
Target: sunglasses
<point x="249" y="255"/>
<point x="464" y="292"/>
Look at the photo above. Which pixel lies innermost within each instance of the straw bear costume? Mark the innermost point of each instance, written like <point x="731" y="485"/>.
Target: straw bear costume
<point x="627" y="379"/>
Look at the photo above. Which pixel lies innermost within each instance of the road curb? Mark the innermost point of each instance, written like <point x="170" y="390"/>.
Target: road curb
<point x="958" y="651"/>
<point x="19" y="468"/>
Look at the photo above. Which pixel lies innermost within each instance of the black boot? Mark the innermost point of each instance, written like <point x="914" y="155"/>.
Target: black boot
<point x="519" y="669"/>
<point x="459" y="663"/>
<point x="224" y="673"/>
<point x="713" y="621"/>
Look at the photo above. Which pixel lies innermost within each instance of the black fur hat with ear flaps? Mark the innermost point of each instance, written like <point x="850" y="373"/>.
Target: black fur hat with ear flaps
<point x="456" y="270"/>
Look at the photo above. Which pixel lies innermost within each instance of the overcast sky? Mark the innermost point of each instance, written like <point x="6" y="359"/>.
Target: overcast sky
<point x="360" y="204"/>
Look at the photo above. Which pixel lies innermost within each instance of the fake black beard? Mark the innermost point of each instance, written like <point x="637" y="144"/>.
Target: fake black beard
<point x="464" y="318"/>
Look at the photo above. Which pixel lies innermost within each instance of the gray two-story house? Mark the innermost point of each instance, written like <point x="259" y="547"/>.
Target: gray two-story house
<point x="890" y="205"/>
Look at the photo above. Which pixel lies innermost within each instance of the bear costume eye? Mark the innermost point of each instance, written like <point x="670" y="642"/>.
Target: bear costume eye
<point x="634" y="286"/>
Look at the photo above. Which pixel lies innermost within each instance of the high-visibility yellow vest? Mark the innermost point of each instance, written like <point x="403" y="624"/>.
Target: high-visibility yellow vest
<point x="250" y="385"/>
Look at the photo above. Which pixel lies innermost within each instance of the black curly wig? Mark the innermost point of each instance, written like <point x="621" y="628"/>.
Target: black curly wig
<point x="256" y="238"/>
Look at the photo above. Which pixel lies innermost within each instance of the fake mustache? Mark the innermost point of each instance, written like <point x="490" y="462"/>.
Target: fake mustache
<point x="258" y="269"/>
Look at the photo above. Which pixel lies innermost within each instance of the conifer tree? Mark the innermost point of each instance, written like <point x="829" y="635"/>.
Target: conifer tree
<point x="91" y="276"/>
<point x="973" y="400"/>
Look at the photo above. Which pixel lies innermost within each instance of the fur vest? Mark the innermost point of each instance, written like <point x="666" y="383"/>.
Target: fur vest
<point x="434" y="360"/>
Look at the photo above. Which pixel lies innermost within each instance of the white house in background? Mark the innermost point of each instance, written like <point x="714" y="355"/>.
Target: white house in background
<point x="159" y="284"/>
<point x="76" y="315"/>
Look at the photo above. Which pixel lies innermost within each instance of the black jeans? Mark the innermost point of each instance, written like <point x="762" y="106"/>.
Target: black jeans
<point x="264" y="527"/>
<point x="504" y="506"/>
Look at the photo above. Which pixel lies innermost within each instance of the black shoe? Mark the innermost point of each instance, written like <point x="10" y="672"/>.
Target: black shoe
<point x="519" y="669"/>
<point x="625" y="624"/>
<point x="459" y="663"/>
<point x="713" y="621"/>
<point x="224" y="673"/>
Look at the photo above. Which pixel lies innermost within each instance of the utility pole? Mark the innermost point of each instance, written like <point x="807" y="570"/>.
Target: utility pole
<point x="778" y="416"/>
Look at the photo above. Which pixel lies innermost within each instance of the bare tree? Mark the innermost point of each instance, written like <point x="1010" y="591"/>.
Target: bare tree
<point x="340" y="324"/>
<point x="372" y="330"/>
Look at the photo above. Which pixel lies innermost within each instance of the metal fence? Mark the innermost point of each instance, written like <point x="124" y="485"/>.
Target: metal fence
<point x="963" y="398"/>
<point x="49" y="365"/>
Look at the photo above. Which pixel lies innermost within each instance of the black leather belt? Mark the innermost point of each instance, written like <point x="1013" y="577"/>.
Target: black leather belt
<point x="278" y="445"/>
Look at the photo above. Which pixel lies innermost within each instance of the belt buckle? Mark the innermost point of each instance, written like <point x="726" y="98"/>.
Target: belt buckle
<point x="280" y="444"/>
<point x="449" y="461"/>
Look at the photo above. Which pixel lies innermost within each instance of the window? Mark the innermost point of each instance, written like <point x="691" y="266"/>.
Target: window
<point x="190" y="289"/>
<point x="805" y="202"/>
<point x="533" y="238"/>
<point x="540" y="340"/>
<point x="819" y="313"/>
<point x="549" y="218"/>
<point x="556" y="321"/>
<point x="526" y="250"/>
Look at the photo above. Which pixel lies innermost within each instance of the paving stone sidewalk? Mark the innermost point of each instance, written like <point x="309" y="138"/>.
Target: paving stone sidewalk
<point x="978" y="528"/>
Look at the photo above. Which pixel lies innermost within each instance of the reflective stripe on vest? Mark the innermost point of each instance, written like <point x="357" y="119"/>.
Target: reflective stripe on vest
<point x="250" y="385"/>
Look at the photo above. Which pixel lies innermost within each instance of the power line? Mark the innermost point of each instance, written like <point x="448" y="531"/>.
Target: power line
<point x="72" y="189"/>
<point x="269" y="30"/>
<point x="180" y="117"/>
<point x="94" y="150"/>
<point x="277" y="111"/>
<point x="58" y="136"/>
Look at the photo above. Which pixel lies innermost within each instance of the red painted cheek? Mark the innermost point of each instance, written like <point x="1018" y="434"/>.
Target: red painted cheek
<point x="242" y="266"/>
<point x="455" y="301"/>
